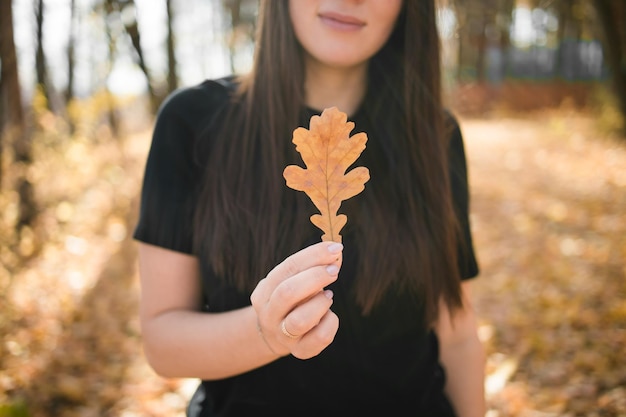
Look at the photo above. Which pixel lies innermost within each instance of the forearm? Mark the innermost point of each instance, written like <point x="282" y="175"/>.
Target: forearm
<point x="180" y="341"/>
<point x="188" y="344"/>
<point x="464" y="363"/>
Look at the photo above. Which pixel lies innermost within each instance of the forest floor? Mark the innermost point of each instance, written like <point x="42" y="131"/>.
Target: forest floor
<point x="549" y="221"/>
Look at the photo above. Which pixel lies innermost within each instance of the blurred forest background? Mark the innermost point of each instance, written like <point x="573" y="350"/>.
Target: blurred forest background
<point x="540" y="90"/>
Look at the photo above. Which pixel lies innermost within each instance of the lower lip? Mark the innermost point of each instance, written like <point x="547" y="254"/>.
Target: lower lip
<point x="339" y="25"/>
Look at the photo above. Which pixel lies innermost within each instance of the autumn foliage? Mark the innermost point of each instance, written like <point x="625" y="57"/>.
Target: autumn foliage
<point x="328" y="150"/>
<point x="548" y="215"/>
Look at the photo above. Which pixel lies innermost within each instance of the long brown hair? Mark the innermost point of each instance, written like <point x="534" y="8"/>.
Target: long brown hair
<point x="410" y="241"/>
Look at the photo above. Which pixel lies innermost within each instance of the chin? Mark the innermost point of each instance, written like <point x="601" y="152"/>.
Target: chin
<point x="342" y="61"/>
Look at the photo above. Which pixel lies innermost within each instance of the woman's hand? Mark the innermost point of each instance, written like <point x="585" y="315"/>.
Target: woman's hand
<point x="181" y="341"/>
<point x="292" y="305"/>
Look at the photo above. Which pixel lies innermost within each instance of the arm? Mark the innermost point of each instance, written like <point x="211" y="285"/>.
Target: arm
<point x="181" y="341"/>
<point x="463" y="358"/>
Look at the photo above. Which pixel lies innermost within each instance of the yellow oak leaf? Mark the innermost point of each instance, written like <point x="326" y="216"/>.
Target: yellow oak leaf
<point x="328" y="150"/>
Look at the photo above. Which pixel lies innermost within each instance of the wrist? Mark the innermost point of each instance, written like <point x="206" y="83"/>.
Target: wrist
<point x="262" y="336"/>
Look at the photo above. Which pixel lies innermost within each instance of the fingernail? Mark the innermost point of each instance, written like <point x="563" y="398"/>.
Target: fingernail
<point x="335" y="248"/>
<point x="332" y="269"/>
<point x="329" y="294"/>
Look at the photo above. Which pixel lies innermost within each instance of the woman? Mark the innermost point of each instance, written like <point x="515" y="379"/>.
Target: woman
<point x="235" y="289"/>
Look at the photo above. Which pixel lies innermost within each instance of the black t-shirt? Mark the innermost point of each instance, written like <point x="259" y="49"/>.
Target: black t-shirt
<point x="380" y="363"/>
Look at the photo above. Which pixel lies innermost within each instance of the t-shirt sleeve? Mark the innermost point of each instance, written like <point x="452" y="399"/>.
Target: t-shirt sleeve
<point x="168" y="195"/>
<point x="468" y="265"/>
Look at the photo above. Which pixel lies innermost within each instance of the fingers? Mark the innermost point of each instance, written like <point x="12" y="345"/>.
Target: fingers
<point x="298" y="289"/>
<point x="320" y="254"/>
<point x="318" y="338"/>
<point x="323" y="253"/>
<point x="291" y="301"/>
<point x="305" y="331"/>
<point x="308" y="315"/>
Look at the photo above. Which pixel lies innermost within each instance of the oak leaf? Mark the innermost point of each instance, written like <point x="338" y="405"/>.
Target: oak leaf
<point x="328" y="150"/>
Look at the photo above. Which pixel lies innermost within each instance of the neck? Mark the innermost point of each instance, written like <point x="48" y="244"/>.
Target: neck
<point x="343" y="88"/>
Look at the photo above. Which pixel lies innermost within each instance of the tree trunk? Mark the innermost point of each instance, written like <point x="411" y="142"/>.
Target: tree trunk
<point x="14" y="123"/>
<point x="612" y="17"/>
<point x="481" y="46"/>
<point x="462" y="32"/>
<point x="40" y="57"/>
<point x="564" y="8"/>
<point x="71" y="53"/>
<point x="459" y="56"/>
<point x="71" y="61"/>
<point x="172" y="74"/>
<point x="111" y="112"/>
<point x="474" y="16"/>
<point x="505" y="20"/>
<point x="234" y="8"/>
<point x="128" y="10"/>
<point x="3" y="123"/>
<point x="12" y="116"/>
<point x="132" y="28"/>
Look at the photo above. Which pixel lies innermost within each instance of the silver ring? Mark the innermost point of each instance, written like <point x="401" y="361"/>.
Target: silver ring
<point x="286" y="332"/>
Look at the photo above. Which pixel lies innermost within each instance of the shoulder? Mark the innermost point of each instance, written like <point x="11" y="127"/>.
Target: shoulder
<point x="201" y="94"/>
<point x="457" y="161"/>
<point x="196" y="104"/>
<point x="182" y="124"/>
<point x="451" y="125"/>
<point x="453" y="135"/>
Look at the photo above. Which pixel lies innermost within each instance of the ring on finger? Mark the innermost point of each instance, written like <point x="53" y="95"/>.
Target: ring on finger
<point x="286" y="332"/>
